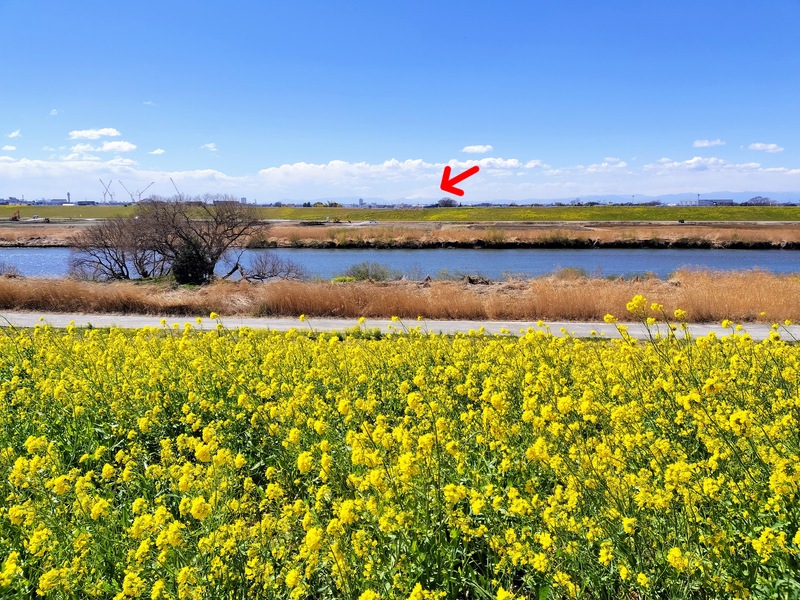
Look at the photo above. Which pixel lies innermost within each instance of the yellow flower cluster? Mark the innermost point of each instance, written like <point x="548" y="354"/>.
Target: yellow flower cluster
<point x="193" y="464"/>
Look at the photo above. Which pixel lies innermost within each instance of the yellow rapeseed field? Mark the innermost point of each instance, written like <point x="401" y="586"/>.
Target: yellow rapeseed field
<point x="198" y="462"/>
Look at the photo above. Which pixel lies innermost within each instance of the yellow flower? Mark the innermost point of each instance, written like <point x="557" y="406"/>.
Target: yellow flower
<point x="628" y="524"/>
<point x="203" y="452"/>
<point x="313" y="538"/>
<point x="637" y="304"/>
<point x="606" y="554"/>
<point x="11" y="569"/>
<point x="677" y="559"/>
<point x="138" y="506"/>
<point x="158" y="590"/>
<point x="503" y="594"/>
<point x="200" y="508"/>
<point x="108" y="471"/>
<point x="213" y="316"/>
<point x="292" y="578"/>
<point x="305" y="462"/>
<point x="99" y="508"/>
<point x="49" y="581"/>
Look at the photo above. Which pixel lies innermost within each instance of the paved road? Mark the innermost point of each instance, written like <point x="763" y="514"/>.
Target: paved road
<point x="579" y="329"/>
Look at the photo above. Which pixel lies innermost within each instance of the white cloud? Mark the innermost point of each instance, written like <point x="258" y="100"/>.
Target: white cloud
<point x="495" y="163"/>
<point x="149" y="103"/>
<point x="771" y="148"/>
<point x="696" y="163"/>
<point x="119" y="146"/>
<point x="477" y="149"/>
<point x="93" y="134"/>
<point x="609" y="164"/>
<point x="212" y="147"/>
<point x="81" y="156"/>
<point x="15" y="134"/>
<point x="157" y="151"/>
<point x="78" y="148"/>
<point x="707" y="143"/>
<point x="8" y="148"/>
<point x="53" y="112"/>
<point x="533" y="164"/>
<point x="122" y="162"/>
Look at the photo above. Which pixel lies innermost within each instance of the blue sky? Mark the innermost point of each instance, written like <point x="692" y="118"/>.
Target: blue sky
<point x="310" y="99"/>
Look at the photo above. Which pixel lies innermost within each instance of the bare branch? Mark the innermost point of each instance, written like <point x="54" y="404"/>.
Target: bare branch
<point x="266" y="265"/>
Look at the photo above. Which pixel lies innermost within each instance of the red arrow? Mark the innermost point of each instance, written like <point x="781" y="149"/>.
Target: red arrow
<point x="449" y="185"/>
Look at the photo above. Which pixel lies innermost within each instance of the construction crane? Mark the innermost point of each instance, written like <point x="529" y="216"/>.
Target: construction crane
<point x="127" y="190"/>
<point x="108" y="191"/>
<point x="180" y="196"/>
<point x="144" y="190"/>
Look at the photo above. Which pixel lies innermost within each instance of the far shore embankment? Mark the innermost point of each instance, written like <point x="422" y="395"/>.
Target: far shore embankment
<point x="762" y="235"/>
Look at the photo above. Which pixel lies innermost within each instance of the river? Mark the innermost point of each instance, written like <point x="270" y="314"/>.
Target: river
<point x="494" y="264"/>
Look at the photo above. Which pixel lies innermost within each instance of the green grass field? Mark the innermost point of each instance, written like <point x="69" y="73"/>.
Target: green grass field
<point x="65" y="212"/>
<point x="462" y="214"/>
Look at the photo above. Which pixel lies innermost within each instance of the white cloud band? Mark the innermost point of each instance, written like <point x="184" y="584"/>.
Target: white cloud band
<point x="771" y="148"/>
<point x="93" y="134"/>
<point x="477" y="149"/>
<point x="707" y="143"/>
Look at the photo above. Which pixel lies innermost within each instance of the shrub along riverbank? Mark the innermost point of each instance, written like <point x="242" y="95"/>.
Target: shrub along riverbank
<point x="568" y="295"/>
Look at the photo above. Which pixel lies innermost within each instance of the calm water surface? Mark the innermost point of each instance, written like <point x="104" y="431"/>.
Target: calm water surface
<point x="494" y="264"/>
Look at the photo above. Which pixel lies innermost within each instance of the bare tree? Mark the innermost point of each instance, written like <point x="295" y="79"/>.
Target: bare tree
<point x="115" y="249"/>
<point x="267" y="265"/>
<point x="195" y="235"/>
<point x="186" y="238"/>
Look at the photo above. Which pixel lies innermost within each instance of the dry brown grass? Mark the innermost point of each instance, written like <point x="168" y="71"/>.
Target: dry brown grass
<point x="705" y="295"/>
<point x="33" y="235"/>
<point x="719" y="235"/>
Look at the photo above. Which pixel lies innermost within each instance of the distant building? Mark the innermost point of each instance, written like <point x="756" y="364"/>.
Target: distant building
<point x="715" y="202"/>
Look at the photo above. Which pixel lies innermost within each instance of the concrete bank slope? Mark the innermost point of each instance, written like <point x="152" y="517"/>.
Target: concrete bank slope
<point x="757" y="331"/>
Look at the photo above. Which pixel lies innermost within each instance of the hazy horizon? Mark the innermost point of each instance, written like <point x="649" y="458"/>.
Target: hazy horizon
<point x="311" y="100"/>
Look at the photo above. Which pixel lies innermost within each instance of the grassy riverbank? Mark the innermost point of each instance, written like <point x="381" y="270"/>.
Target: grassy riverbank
<point x="705" y="296"/>
<point x="460" y="214"/>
